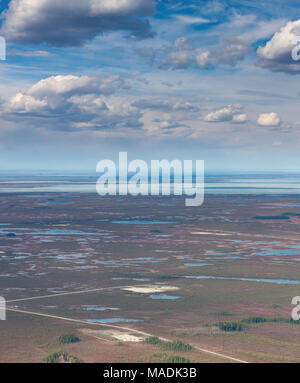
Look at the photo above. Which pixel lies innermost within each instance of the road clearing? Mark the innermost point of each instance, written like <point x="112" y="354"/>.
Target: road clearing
<point x="121" y="328"/>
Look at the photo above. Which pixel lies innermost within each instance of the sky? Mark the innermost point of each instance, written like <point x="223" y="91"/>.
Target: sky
<point x="160" y="79"/>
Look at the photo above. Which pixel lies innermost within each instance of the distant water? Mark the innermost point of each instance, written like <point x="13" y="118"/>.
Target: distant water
<point x="197" y="264"/>
<point x="266" y="280"/>
<point x="230" y="257"/>
<point x="279" y="183"/>
<point x="112" y="320"/>
<point x="279" y="252"/>
<point x="164" y="296"/>
<point x="141" y="222"/>
<point x="96" y="308"/>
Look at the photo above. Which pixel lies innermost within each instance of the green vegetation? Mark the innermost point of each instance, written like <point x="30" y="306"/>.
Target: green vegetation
<point x="177" y="359"/>
<point x="239" y="325"/>
<point x="62" y="357"/>
<point x="166" y="358"/>
<point x="283" y="320"/>
<point x="68" y="338"/>
<point x="254" y="320"/>
<point x="152" y="340"/>
<point x="222" y="313"/>
<point x="230" y="326"/>
<point x="175" y="345"/>
<point x="270" y="320"/>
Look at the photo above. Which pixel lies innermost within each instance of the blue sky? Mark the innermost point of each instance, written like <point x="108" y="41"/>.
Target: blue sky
<point x="212" y="80"/>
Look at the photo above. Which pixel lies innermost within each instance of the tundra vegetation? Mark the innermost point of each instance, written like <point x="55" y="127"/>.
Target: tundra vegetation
<point x="175" y="345"/>
<point x="68" y="338"/>
<point x="62" y="357"/>
<point x="167" y="358"/>
<point x="240" y="324"/>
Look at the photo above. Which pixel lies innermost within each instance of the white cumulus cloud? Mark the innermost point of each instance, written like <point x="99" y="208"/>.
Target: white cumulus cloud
<point x="228" y="113"/>
<point x="239" y="118"/>
<point x="276" y="55"/>
<point x="268" y="119"/>
<point x="63" y="102"/>
<point x="72" y="22"/>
